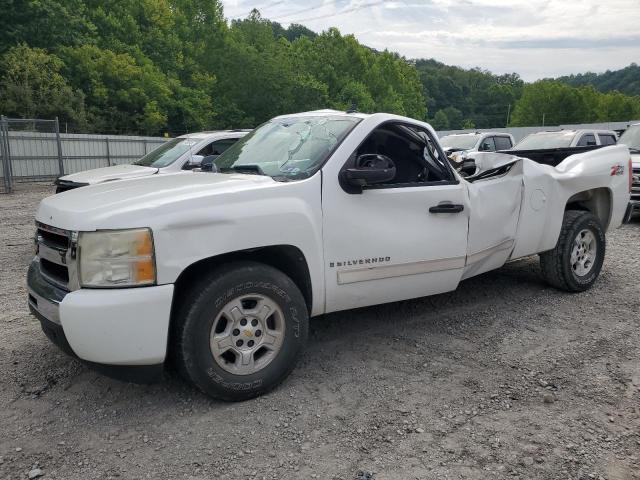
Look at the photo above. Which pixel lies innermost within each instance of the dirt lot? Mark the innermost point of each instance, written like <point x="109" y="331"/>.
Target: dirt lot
<point x="447" y="387"/>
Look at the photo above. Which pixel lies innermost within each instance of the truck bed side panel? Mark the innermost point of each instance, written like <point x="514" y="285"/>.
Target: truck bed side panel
<point x="548" y="189"/>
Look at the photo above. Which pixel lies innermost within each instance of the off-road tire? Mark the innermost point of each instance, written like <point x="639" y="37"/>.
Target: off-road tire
<point x="556" y="264"/>
<point x="195" y="317"/>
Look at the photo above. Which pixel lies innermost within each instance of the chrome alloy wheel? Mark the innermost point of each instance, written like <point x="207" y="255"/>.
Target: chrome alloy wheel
<point x="247" y="334"/>
<point x="583" y="252"/>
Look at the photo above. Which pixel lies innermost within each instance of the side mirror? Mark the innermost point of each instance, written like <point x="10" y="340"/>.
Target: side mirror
<point x="207" y="164"/>
<point x="370" y="169"/>
<point x="194" y="162"/>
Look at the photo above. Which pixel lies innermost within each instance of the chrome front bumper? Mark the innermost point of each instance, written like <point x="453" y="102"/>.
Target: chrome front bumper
<point x="44" y="297"/>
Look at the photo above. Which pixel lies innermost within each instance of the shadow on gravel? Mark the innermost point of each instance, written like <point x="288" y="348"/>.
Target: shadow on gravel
<point x="509" y="285"/>
<point x="371" y="327"/>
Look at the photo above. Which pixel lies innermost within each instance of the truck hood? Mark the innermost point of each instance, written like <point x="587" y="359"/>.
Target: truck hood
<point x="142" y="201"/>
<point x="106" y="174"/>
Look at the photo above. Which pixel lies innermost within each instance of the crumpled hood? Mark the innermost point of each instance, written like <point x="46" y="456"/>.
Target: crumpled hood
<point x="106" y="174"/>
<point x="141" y="201"/>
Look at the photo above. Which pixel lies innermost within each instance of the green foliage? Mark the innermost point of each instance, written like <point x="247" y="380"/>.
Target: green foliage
<point x="468" y="97"/>
<point x="32" y="86"/>
<point x="551" y="102"/>
<point x="625" y="80"/>
<point x="155" y="66"/>
<point x="152" y="66"/>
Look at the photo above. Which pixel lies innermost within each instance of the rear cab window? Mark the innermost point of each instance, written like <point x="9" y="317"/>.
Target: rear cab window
<point x="503" y="143"/>
<point x="587" y="140"/>
<point x="607" y="139"/>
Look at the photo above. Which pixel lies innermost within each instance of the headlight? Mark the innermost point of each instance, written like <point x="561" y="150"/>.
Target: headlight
<point x="116" y="258"/>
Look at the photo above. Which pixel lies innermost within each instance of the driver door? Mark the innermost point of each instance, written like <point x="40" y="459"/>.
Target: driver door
<point x="390" y="242"/>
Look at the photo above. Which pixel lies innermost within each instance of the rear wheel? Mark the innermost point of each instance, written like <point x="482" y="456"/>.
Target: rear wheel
<point x="575" y="262"/>
<point x="240" y="333"/>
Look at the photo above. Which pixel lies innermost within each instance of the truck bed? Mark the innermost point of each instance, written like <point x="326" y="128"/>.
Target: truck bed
<point x="551" y="156"/>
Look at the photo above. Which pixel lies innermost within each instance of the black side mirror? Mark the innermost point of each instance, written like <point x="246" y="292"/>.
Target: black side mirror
<point x="370" y="169"/>
<point x="207" y="164"/>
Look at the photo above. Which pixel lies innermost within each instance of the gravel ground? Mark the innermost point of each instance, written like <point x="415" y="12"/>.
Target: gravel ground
<point x="505" y="378"/>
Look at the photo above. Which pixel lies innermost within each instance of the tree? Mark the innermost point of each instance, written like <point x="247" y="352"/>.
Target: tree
<point x="440" y="121"/>
<point x="32" y="86"/>
<point x="44" y="23"/>
<point x="550" y="102"/>
<point x="122" y="94"/>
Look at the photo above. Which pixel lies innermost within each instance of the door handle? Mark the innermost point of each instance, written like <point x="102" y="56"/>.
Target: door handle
<point x="446" y="208"/>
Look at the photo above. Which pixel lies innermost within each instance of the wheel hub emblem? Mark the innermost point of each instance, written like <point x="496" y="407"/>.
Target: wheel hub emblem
<point x="247" y="333"/>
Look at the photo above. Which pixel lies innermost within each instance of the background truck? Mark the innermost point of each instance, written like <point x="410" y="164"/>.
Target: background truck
<point x="182" y="153"/>
<point x="308" y="214"/>
<point x="457" y="146"/>
<point x="631" y="138"/>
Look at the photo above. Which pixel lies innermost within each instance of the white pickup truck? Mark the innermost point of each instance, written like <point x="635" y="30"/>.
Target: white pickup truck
<point x="308" y="214"/>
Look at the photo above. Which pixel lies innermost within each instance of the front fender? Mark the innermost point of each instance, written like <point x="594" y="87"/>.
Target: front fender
<point x="288" y="213"/>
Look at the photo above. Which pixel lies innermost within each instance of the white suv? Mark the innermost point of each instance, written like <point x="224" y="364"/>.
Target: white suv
<point x="187" y="152"/>
<point x="457" y="146"/>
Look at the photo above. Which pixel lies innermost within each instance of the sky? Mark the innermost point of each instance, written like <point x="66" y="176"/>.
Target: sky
<point x="535" y="38"/>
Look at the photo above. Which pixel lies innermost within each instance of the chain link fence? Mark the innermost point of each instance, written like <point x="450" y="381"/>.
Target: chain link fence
<point x="35" y="150"/>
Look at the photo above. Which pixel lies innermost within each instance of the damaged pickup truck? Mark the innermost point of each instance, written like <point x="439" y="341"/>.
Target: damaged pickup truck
<point x="310" y="213"/>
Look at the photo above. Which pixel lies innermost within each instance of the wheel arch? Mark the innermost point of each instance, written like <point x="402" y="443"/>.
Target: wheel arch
<point x="287" y="258"/>
<point x="598" y="201"/>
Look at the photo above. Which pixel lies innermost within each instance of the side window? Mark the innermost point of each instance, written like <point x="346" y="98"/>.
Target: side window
<point x="415" y="155"/>
<point x="587" y="140"/>
<point x="488" y="145"/>
<point x="218" y="147"/>
<point x="503" y="143"/>
<point x="607" y="139"/>
<point x="206" y="150"/>
<point x="222" y="146"/>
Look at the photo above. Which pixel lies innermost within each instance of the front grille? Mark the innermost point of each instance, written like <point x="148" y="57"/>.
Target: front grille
<point x="58" y="273"/>
<point x="53" y="245"/>
<point x="635" y="188"/>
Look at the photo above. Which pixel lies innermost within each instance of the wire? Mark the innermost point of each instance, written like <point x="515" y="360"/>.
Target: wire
<point x="264" y="7"/>
<point x="298" y="12"/>
<point x="342" y="12"/>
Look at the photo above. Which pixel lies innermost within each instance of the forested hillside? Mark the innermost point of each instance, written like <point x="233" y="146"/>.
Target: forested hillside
<point x="156" y="66"/>
<point x="175" y="65"/>
<point x="625" y="80"/>
<point x="458" y="98"/>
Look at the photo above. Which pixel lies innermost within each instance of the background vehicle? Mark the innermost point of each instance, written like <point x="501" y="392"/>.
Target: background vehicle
<point x="566" y="139"/>
<point x="309" y="214"/>
<point x="631" y="138"/>
<point x="457" y="145"/>
<point x="182" y="153"/>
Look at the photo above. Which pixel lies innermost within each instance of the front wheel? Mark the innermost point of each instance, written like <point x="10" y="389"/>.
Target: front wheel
<point x="575" y="262"/>
<point x="240" y="332"/>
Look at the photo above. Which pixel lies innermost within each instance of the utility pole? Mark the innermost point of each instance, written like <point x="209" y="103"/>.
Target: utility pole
<point x="508" y="114"/>
<point x="543" y="115"/>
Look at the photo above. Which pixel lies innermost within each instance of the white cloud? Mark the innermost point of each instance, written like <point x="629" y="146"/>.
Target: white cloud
<point x="535" y="38"/>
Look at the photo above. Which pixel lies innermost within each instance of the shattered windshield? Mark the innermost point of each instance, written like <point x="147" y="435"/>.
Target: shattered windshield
<point x="287" y="148"/>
